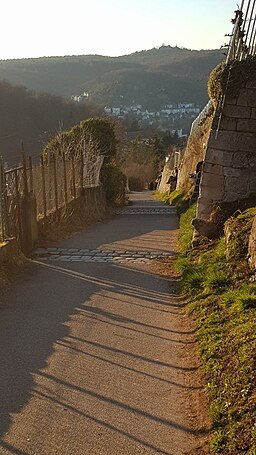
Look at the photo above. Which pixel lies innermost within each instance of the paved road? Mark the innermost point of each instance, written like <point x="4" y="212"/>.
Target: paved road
<point x="96" y="354"/>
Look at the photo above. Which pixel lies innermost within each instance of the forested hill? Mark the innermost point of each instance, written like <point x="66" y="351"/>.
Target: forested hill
<point x="34" y="118"/>
<point x="152" y="78"/>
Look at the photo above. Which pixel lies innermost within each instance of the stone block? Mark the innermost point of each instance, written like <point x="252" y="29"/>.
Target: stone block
<point x="220" y="157"/>
<point x="247" y="125"/>
<point x="231" y="100"/>
<point x="212" y="187"/>
<point x="252" y="187"/>
<point x="247" y="97"/>
<point x="233" y="196"/>
<point x="204" y="207"/>
<point x="246" y="142"/>
<point x="226" y="140"/>
<point x="251" y="84"/>
<point x="252" y="161"/>
<point x="212" y="179"/>
<point x="229" y="124"/>
<point x="232" y="172"/>
<point x="236" y="185"/>
<point x="253" y="113"/>
<point x="237" y="111"/>
<point x="204" y="203"/>
<point x="212" y="168"/>
<point x="240" y="160"/>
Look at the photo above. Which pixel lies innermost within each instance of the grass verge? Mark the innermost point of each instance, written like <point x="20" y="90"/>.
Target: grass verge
<point x="221" y="293"/>
<point x="177" y="198"/>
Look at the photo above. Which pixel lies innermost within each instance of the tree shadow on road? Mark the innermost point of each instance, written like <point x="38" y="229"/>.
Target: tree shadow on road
<point x="35" y="316"/>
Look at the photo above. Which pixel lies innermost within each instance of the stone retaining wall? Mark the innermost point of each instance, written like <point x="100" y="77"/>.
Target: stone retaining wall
<point x="164" y="187"/>
<point x="194" y="153"/>
<point x="229" y="170"/>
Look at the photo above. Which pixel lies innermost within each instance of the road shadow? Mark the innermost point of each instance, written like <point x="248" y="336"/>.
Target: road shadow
<point x="33" y="320"/>
<point x="134" y="232"/>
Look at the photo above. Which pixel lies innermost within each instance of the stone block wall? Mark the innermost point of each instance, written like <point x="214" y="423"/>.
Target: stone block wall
<point x="194" y="153"/>
<point x="229" y="170"/>
<point x="164" y="187"/>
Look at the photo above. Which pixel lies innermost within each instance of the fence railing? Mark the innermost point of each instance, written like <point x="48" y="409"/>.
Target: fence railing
<point x="242" y="45"/>
<point x="243" y="38"/>
<point x="54" y="182"/>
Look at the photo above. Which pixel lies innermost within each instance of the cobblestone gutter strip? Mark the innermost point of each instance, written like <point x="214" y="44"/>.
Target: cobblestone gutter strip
<point x="146" y="211"/>
<point x="97" y="255"/>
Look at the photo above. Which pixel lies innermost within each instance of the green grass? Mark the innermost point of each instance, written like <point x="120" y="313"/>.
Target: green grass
<point x="170" y="198"/>
<point x="177" y="198"/>
<point x="222" y="299"/>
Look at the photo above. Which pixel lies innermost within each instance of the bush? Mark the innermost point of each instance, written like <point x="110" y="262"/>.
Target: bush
<point x="114" y="183"/>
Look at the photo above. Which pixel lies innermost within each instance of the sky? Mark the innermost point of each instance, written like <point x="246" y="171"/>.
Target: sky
<point x="40" y="28"/>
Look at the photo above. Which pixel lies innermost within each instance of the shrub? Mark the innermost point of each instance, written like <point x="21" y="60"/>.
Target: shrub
<point x="114" y="183"/>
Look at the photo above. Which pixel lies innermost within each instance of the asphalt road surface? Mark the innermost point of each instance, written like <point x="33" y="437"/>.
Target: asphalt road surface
<point x="97" y="355"/>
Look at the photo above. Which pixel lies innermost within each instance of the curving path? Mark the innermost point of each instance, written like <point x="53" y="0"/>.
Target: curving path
<point x="97" y="355"/>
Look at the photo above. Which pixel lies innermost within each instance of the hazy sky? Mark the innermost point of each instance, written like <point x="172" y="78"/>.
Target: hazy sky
<point x="31" y="28"/>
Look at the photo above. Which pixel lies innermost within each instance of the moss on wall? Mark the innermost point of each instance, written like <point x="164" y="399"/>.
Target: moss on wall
<point x="230" y="78"/>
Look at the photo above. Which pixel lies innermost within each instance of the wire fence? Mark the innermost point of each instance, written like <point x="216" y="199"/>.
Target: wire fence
<point x="55" y="182"/>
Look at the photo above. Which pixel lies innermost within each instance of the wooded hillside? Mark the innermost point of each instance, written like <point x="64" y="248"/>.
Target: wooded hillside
<point x="33" y="118"/>
<point x="152" y="78"/>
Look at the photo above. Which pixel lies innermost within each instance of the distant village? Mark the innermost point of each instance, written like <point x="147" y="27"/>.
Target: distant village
<point x="170" y="116"/>
<point x="169" y="111"/>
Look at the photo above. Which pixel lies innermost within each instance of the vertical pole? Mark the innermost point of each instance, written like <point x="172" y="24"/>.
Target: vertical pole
<point x="55" y="179"/>
<point x="1" y="201"/>
<point x="43" y="185"/>
<point x="7" y="230"/>
<point x="81" y="172"/>
<point x="65" y="179"/>
<point x="17" y="194"/>
<point x="25" y="177"/>
<point x="73" y="176"/>
<point x="31" y="174"/>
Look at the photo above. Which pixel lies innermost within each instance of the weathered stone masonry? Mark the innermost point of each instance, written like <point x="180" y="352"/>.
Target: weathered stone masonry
<point x="229" y="170"/>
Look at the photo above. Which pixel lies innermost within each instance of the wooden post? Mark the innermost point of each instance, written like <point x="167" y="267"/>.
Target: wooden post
<point x="2" y="230"/>
<point x="31" y="174"/>
<point x="43" y="185"/>
<point x="65" y="179"/>
<point x="55" y="180"/>
<point x="81" y="173"/>
<point x="25" y="177"/>
<point x="6" y="204"/>
<point x="73" y="176"/>
<point x="17" y="195"/>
